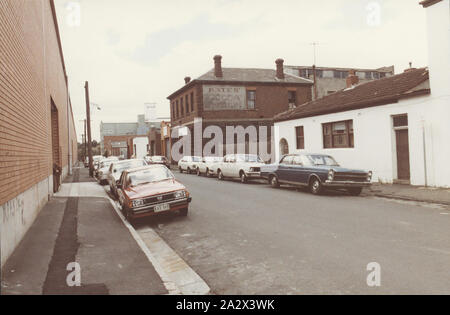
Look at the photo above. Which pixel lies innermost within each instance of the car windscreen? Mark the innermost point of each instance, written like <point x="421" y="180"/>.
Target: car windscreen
<point x="158" y="158"/>
<point x="323" y="160"/>
<point x="130" y="164"/>
<point x="149" y="176"/>
<point x="196" y="159"/>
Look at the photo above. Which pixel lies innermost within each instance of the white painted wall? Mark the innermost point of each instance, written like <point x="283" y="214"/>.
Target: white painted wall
<point x="374" y="139"/>
<point x="18" y="214"/>
<point x="141" y="147"/>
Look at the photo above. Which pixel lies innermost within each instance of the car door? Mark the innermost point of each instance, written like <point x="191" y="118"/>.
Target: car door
<point x="297" y="171"/>
<point x="284" y="168"/>
<point x="120" y="189"/>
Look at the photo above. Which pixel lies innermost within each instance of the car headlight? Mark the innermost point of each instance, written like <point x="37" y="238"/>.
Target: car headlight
<point x="330" y="174"/>
<point x="137" y="202"/>
<point x="369" y="176"/>
<point x="180" y="194"/>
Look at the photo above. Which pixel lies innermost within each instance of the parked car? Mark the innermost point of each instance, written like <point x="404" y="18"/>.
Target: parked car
<point x="103" y="169"/>
<point x="158" y="159"/>
<point x="316" y="171"/>
<point x="116" y="169"/>
<point x="95" y="159"/>
<point x="207" y="165"/>
<point x="96" y="163"/>
<point x="188" y="164"/>
<point x="150" y="190"/>
<point x="243" y="166"/>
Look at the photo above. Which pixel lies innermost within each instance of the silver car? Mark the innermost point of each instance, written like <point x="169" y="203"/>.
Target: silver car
<point x="116" y="169"/>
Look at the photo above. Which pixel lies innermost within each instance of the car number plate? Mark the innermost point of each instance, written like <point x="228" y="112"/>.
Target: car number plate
<point x="162" y="207"/>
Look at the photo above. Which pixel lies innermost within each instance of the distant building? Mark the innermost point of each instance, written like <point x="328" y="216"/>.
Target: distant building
<point x="236" y="97"/>
<point x="114" y="136"/>
<point x="330" y="80"/>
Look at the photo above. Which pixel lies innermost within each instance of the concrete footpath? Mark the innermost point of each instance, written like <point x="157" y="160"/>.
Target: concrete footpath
<point x="79" y="225"/>
<point x="410" y="193"/>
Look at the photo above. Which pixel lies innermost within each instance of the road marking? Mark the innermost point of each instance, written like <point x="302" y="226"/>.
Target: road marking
<point x="177" y="276"/>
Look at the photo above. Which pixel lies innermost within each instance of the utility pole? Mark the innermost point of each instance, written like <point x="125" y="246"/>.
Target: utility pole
<point x="88" y="122"/>
<point x="85" y="142"/>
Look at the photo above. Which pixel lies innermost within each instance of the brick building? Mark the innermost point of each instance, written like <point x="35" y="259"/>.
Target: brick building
<point x="36" y="122"/>
<point x="330" y="80"/>
<point x="117" y="137"/>
<point x="236" y="97"/>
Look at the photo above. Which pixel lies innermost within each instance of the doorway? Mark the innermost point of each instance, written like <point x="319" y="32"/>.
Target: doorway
<point x="402" y="147"/>
<point x="56" y="156"/>
<point x="284" y="147"/>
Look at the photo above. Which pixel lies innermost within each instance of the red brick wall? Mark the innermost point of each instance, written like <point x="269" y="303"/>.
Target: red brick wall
<point x="271" y="99"/>
<point x="32" y="74"/>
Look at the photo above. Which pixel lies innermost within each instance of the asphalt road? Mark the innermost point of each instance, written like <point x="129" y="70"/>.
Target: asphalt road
<point x="254" y="239"/>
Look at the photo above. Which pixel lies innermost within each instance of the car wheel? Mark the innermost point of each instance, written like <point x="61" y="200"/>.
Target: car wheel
<point x="207" y="173"/>
<point x="315" y="186"/>
<point x="220" y="175"/>
<point x="243" y="178"/>
<point x="184" y="212"/>
<point x="273" y="181"/>
<point x="198" y="172"/>
<point x="188" y="170"/>
<point x="355" y="191"/>
<point x="180" y="169"/>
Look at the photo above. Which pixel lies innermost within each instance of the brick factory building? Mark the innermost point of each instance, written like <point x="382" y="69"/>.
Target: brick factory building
<point x="37" y="133"/>
<point x="236" y="97"/>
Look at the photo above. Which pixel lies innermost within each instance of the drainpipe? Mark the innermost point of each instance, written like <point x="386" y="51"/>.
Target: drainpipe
<point x="424" y="153"/>
<point x="69" y="147"/>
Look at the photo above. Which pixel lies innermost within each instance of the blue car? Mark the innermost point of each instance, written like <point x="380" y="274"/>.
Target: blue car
<point x="316" y="171"/>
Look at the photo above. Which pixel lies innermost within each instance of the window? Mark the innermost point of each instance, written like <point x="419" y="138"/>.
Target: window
<point x="382" y="74"/>
<point x="340" y="74"/>
<point x="251" y="98"/>
<point x="338" y="134"/>
<point x="187" y="103"/>
<point x="173" y="109"/>
<point x="368" y="75"/>
<point x="400" y="121"/>
<point x="292" y="97"/>
<point x="178" y="110"/>
<point x="182" y="106"/>
<point x="300" y="137"/>
<point x="287" y="159"/>
<point x="192" y="101"/>
<point x="376" y="75"/>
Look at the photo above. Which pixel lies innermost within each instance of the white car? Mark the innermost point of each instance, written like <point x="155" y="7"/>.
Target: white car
<point x="103" y="169"/>
<point x="208" y="165"/>
<point x="117" y="168"/>
<point x="243" y="166"/>
<point x="188" y="164"/>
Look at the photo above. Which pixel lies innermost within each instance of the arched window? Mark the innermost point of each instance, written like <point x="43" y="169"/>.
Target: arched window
<point x="284" y="147"/>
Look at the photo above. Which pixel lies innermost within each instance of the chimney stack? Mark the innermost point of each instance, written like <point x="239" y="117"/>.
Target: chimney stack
<point x="352" y="79"/>
<point x="280" y="69"/>
<point x="218" y="66"/>
<point x="187" y="80"/>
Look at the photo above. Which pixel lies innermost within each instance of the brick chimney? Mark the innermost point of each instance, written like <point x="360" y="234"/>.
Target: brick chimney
<point x="352" y="79"/>
<point x="280" y="71"/>
<point x="218" y="66"/>
<point x="187" y="80"/>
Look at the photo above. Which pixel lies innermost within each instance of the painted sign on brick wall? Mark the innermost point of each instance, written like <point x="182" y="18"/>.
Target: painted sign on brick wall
<point x="223" y="97"/>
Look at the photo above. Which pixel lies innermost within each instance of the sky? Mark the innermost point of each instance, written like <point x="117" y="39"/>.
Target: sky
<point x="139" y="51"/>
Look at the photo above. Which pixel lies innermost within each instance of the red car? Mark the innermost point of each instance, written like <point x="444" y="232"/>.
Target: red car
<point x="150" y="190"/>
